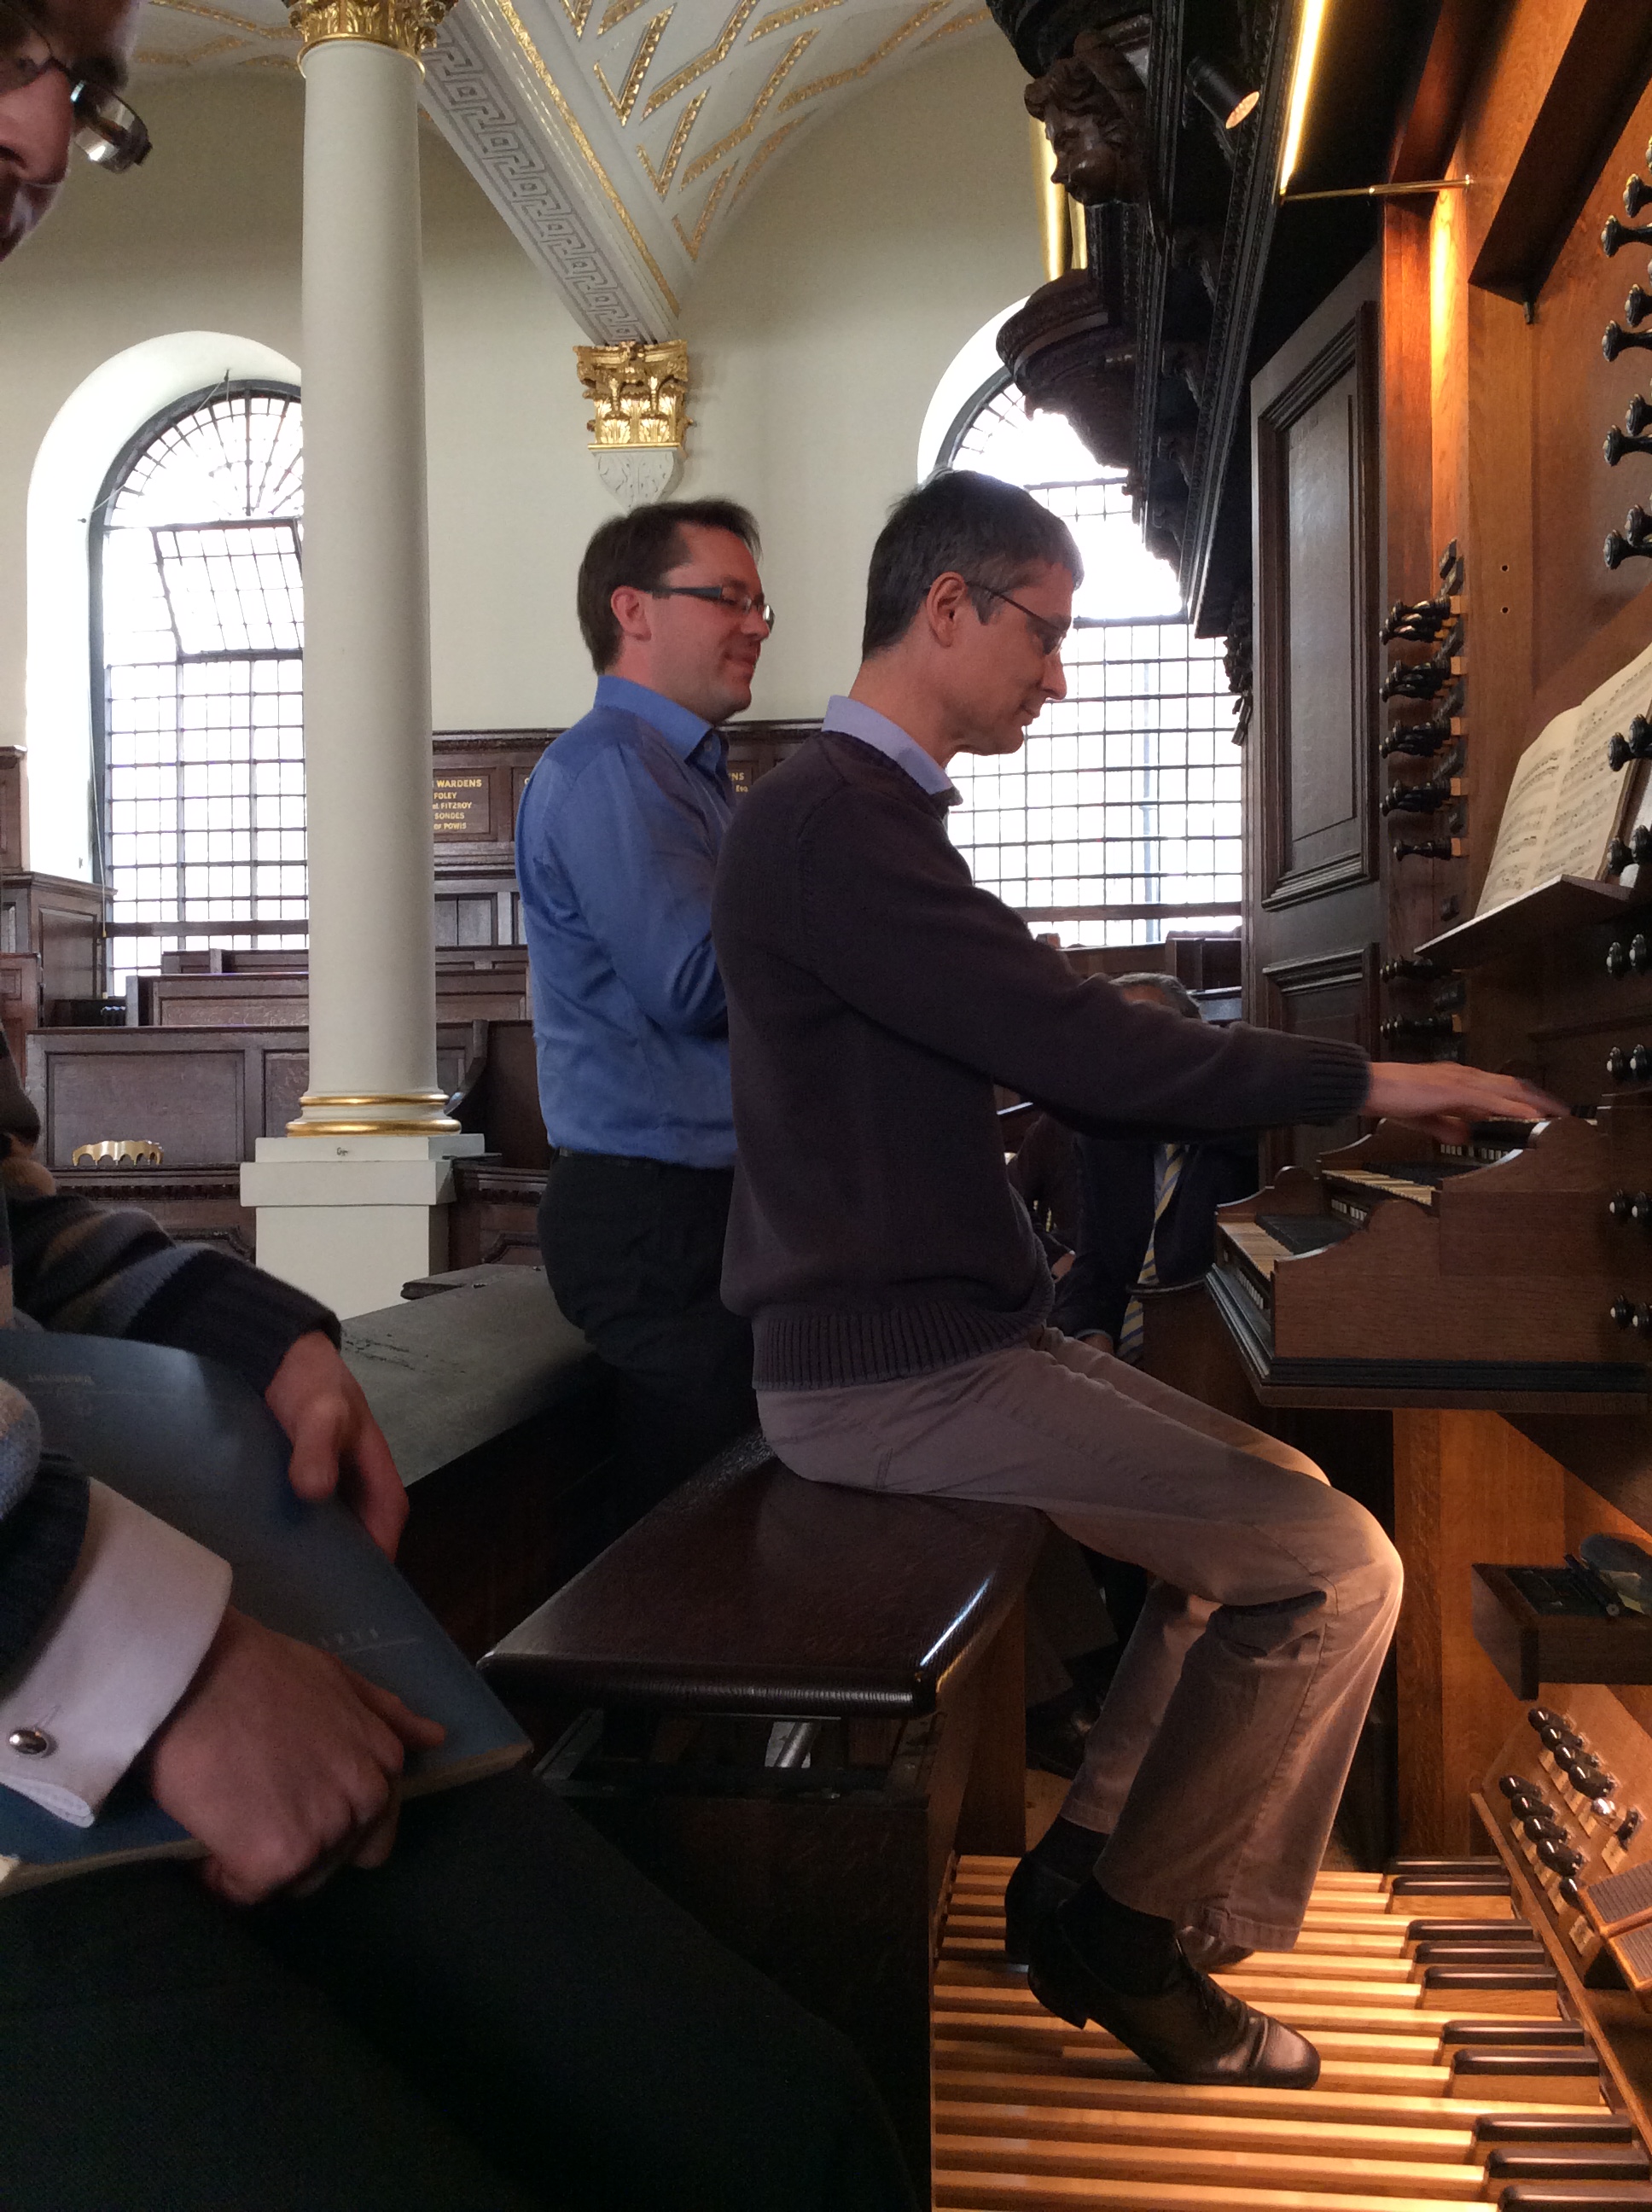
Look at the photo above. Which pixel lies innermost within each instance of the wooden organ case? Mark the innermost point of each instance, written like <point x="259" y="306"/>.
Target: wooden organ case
<point x="1449" y="481"/>
<point x="1399" y="448"/>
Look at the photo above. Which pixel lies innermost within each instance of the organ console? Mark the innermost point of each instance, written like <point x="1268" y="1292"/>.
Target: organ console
<point x="1404" y="1272"/>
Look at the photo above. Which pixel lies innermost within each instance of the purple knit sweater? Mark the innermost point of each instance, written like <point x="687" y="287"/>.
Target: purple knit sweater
<point x="875" y="997"/>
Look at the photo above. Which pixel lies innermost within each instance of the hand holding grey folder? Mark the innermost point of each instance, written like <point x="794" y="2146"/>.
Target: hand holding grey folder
<point x="193" y="1444"/>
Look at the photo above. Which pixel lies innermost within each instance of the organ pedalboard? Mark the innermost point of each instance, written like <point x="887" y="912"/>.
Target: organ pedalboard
<point x="1461" y="2061"/>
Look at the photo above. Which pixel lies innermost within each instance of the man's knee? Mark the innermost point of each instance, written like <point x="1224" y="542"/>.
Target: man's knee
<point x="1369" y="1574"/>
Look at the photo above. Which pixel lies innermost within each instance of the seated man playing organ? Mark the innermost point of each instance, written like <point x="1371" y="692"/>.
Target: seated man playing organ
<point x="899" y="1298"/>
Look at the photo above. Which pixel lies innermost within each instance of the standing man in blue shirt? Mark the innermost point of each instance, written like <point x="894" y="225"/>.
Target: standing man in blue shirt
<point x="616" y="843"/>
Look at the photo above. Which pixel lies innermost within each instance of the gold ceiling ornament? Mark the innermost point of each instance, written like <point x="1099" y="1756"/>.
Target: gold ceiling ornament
<point x="536" y="62"/>
<point x="770" y="145"/>
<point x="782" y="19"/>
<point x="720" y="50"/>
<point x="958" y="23"/>
<point x="409" y="27"/>
<point x="616" y="13"/>
<point x="660" y="177"/>
<point x="638" y="395"/>
<point x="742" y="131"/>
<point x="926" y="13"/>
<point x="625" y="99"/>
<point x="693" y="241"/>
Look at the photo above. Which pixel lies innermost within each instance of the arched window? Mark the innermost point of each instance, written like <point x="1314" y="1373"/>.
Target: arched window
<point x="1119" y="820"/>
<point x="198" y="678"/>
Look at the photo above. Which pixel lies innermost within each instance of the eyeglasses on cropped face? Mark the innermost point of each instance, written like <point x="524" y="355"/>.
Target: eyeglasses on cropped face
<point x="106" y="129"/>
<point x="1052" y="635"/>
<point x="728" y="595"/>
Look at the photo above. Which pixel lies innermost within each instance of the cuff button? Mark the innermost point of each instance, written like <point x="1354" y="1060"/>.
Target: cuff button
<point x="31" y="1742"/>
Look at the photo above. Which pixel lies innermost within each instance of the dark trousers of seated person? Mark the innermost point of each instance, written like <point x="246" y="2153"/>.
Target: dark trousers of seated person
<point x="633" y="1251"/>
<point x="505" y="2016"/>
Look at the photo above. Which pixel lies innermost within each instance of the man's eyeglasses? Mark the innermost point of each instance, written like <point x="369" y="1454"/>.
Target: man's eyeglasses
<point x="726" y="595"/>
<point x="106" y="129"/>
<point x="1052" y="635"/>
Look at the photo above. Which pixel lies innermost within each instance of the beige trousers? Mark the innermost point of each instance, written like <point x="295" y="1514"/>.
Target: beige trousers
<point x="1218" y="1760"/>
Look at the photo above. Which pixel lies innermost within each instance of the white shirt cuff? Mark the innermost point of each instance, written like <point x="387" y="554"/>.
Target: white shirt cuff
<point x="120" y="1649"/>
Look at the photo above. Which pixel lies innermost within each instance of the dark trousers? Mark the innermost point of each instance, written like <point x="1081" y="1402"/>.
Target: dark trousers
<point x="506" y="2016"/>
<point x="634" y="1252"/>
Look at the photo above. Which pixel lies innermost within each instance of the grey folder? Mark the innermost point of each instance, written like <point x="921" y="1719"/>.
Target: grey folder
<point x="194" y="1444"/>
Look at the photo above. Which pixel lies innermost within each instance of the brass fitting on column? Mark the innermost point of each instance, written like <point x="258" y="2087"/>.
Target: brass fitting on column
<point x="352" y="1114"/>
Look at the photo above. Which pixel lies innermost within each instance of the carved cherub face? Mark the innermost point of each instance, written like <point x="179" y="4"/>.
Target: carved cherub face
<point x="1089" y="105"/>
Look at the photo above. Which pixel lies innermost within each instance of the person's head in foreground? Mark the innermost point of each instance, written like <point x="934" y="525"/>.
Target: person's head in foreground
<point x="62" y="65"/>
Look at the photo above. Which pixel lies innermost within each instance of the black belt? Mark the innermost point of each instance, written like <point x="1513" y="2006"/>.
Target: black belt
<point x="632" y="1160"/>
<point x="606" y="1159"/>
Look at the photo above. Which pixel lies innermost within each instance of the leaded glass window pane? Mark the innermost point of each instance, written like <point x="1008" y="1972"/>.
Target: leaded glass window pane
<point x="201" y="683"/>
<point x="1118" y="821"/>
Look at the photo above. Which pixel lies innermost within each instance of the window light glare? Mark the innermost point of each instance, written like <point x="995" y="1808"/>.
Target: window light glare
<point x="1302" y="84"/>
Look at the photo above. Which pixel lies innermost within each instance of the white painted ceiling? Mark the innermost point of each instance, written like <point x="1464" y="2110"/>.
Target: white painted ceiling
<point x="616" y="137"/>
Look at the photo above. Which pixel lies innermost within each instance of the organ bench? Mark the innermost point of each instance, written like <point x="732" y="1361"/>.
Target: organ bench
<point x="790" y="1704"/>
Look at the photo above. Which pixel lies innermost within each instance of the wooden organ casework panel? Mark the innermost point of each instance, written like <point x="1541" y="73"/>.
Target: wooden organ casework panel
<point x="1496" y="1296"/>
<point x="1314" y="905"/>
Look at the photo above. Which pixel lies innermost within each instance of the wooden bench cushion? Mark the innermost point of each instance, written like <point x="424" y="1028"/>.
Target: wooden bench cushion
<point x="448" y="1374"/>
<point x="750" y="1590"/>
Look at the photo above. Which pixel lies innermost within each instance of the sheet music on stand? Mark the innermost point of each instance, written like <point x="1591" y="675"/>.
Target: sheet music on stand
<point x="1566" y="803"/>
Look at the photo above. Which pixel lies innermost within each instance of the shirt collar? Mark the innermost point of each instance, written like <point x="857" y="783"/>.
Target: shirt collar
<point x="682" y="731"/>
<point x="854" y="718"/>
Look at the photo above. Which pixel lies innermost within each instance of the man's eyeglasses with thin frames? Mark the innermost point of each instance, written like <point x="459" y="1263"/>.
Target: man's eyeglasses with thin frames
<point x="106" y="129"/>
<point x="1052" y="635"/>
<point x="727" y="595"/>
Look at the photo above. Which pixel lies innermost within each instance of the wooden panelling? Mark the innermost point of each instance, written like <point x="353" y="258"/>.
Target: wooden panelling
<point x="62" y="922"/>
<point x="480" y="986"/>
<point x="1317" y="542"/>
<point x="13" y="810"/>
<point x="1331" y="996"/>
<point x="1589" y="85"/>
<point x="201" y="1207"/>
<point x="203" y="1095"/>
<point x="1467" y="1486"/>
<point x="20" y="1001"/>
<point x="1312" y="896"/>
<point x="477" y="779"/>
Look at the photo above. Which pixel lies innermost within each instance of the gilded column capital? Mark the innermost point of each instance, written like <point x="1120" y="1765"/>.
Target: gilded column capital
<point x="637" y="393"/>
<point x="409" y="27"/>
<point x="639" y="396"/>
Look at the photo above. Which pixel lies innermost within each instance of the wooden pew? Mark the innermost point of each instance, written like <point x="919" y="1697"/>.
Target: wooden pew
<point x="501" y="1420"/>
<point x="791" y="1706"/>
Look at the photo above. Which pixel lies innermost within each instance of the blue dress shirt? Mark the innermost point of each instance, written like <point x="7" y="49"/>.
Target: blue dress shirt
<point x="616" y="843"/>
<point x="856" y="720"/>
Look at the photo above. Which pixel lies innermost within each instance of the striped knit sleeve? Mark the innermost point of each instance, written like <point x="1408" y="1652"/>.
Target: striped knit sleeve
<point x="112" y="1270"/>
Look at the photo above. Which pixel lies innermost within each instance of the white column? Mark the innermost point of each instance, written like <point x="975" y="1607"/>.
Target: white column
<point x="351" y="1202"/>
